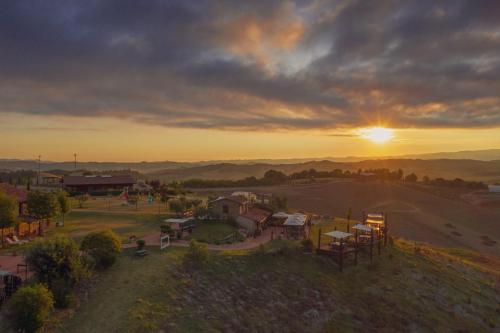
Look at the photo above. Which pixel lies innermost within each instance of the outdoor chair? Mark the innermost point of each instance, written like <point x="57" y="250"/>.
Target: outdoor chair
<point x="19" y="241"/>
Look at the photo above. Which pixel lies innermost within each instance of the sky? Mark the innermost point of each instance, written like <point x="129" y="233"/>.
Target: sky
<point x="127" y="80"/>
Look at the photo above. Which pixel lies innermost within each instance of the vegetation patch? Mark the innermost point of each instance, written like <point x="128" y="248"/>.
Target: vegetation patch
<point x="214" y="233"/>
<point x="277" y="288"/>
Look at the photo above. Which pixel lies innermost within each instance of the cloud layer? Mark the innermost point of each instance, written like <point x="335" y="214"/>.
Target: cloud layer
<point x="256" y="64"/>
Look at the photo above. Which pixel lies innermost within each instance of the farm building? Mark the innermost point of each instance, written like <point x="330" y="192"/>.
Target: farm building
<point x="180" y="224"/>
<point x="232" y="206"/>
<point x="85" y="184"/>
<point x="494" y="188"/>
<point x="46" y="178"/>
<point x="25" y="227"/>
<point x="254" y="219"/>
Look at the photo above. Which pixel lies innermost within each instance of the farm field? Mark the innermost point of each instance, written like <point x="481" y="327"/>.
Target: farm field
<point x="413" y="214"/>
<point x="405" y="289"/>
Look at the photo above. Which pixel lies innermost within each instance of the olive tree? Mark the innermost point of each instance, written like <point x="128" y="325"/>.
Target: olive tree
<point x="57" y="263"/>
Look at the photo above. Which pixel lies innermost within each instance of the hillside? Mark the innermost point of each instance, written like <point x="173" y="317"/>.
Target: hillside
<point x="144" y="167"/>
<point x="408" y="288"/>
<point x="488" y="171"/>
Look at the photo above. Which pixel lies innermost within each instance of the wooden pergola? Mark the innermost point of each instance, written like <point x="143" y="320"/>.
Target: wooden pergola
<point x="339" y="247"/>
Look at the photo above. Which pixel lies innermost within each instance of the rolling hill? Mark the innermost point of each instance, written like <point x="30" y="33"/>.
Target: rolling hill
<point x="488" y="171"/>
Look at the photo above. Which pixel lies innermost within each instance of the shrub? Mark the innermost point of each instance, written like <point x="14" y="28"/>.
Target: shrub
<point x="197" y="253"/>
<point x="30" y="307"/>
<point x="141" y="243"/>
<point x="166" y="229"/>
<point x="64" y="295"/>
<point x="288" y="249"/>
<point x="104" y="246"/>
<point x="307" y="245"/>
<point x="57" y="259"/>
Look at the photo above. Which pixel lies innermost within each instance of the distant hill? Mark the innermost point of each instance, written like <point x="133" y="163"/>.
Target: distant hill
<point x="474" y="165"/>
<point x="488" y="171"/>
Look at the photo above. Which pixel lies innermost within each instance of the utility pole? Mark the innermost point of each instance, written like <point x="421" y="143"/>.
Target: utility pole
<point x="75" y="159"/>
<point x="38" y="178"/>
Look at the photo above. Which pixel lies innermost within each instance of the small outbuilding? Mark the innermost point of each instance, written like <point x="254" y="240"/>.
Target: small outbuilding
<point x="180" y="224"/>
<point x="295" y="225"/>
<point x="225" y="207"/>
<point x="254" y="219"/>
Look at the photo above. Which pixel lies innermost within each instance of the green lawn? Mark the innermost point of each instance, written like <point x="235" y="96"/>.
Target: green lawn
<point x="79" y="223"/>
<point x="262" y="291"/>
<point x="211" y="232"/>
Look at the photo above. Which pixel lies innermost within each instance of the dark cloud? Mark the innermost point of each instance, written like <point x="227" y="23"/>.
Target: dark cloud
<point x="257" y="64"/>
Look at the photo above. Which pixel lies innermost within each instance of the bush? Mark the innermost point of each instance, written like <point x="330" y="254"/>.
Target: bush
<point x="166" y="229"/>
<point x="197" y="253"/>
<point x="64" y="295"/>
<point x="104" y="247"/>
<point x="30" y="307"/>
<point x="141" y="243"/>
<point x="307" y="245"/>
<point x="288" y="249"/>
<point x="55" y="260"/>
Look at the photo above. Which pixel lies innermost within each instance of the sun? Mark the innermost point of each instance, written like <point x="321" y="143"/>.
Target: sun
<point x="378" y="135"/>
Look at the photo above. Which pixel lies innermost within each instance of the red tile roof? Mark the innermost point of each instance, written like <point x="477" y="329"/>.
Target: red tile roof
<point x="98" y="180"/>
<point x="17" y="192"/>
<point x="256" y="214"/>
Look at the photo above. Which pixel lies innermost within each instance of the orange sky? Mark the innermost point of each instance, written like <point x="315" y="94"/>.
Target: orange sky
<point x="108" y="139"/>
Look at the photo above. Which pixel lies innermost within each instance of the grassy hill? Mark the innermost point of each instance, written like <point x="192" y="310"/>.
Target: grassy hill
<point x="276" y="288"/>
<point x="447" y="168"/>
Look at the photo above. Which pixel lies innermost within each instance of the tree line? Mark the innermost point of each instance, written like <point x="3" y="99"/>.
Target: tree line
<point x="276" y="177"/>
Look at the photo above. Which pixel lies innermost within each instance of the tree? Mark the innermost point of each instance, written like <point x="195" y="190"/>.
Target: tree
<point x="81" y="199"/>
<point x="30" y="307"/>
<point x="42" y="206"/>
<point x="411" y="178"/>
<point x="177" y="206"/>
<point x="57" y="263"/>
<point x="275" y="177"/>
<point x="7" y="212"/>
<point x="103" y="246"/>
<point x="63" y="201"/>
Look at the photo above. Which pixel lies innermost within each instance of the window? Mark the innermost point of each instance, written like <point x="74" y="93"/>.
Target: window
<point x="225" y="209"/>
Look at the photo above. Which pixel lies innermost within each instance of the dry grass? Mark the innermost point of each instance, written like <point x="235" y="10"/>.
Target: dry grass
<point x="405" y="289"/>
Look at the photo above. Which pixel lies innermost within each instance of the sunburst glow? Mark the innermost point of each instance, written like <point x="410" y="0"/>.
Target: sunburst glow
<point x="377" y="134"/>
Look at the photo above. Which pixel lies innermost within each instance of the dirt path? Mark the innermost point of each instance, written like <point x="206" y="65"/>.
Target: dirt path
<point x="250" y="243"/>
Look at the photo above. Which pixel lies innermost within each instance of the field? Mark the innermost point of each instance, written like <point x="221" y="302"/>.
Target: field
<point x="413" y="214"/>
<point x="406" y="289"/>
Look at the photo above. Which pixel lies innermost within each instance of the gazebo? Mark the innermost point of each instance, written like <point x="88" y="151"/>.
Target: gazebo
<point x="378" y="221"/>
<point x="366" y="235"/>
<point x="294" y="225"/>
<point x="339" y="248"/>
